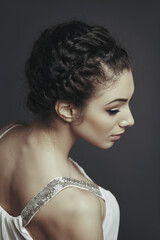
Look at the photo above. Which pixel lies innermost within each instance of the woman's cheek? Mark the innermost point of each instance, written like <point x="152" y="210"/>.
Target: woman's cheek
<point x="104" y="122"/>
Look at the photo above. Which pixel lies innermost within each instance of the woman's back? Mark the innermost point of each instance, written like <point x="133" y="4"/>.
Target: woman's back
<point x="28" y="165"/>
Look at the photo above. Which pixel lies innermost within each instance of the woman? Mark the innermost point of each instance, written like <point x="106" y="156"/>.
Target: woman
<point x="80" y="84"/>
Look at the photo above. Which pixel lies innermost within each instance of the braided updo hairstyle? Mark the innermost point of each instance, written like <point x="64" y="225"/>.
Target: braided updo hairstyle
<point x="67" y="62"/>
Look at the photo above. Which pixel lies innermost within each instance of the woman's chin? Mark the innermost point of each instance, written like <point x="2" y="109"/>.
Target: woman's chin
<point x="106" y="145"/>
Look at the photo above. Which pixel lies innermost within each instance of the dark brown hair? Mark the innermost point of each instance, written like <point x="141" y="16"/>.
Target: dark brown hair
<point x="67" y="62"/>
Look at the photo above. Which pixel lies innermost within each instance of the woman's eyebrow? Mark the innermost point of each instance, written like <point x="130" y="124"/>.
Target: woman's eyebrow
<point x="118" y="100"/>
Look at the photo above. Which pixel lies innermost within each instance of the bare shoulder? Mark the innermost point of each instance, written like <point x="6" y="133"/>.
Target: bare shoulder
<point x="8" y="145"/>
<point x="73" y="214"/>
<point x="9" y="134"/>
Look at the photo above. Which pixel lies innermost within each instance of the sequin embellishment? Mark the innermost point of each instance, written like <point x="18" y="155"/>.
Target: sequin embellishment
<point x="50" y="190"/>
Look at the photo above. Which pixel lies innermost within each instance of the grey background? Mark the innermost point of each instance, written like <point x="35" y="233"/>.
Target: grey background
<point x="131" y="168"/>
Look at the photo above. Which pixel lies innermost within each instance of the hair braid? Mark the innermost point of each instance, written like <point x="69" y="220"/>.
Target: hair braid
<point x="66" y="63"/>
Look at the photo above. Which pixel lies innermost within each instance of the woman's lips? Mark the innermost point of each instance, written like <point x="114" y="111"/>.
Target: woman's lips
<point x="115" y="137"/>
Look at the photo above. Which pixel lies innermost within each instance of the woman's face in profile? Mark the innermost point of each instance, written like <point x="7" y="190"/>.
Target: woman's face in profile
<point x="107" y="116"/>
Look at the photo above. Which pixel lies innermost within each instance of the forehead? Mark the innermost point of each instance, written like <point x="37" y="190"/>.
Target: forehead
<point x="122" y="88"/>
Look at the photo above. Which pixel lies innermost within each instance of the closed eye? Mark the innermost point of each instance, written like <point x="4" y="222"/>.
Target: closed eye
<point x="113" y="111"/>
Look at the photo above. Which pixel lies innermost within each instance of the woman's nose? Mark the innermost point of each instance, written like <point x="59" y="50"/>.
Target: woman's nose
<point x="128" y="121"/>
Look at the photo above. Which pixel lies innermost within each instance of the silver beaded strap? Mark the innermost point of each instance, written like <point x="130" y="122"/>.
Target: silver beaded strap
<point x="50" y="190"/>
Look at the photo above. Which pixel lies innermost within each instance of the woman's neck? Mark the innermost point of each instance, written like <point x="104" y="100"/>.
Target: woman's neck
<point x="57" y="136"/>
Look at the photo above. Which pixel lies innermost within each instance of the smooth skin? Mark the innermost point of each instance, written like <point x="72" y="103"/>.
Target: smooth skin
<point x="37" y="153"/>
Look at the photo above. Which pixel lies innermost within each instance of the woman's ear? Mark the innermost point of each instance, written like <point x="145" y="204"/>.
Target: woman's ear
<point x="65" y="110"/>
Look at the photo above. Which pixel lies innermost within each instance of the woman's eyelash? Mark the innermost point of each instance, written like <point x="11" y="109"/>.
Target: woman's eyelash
<point x="113" y="111"/>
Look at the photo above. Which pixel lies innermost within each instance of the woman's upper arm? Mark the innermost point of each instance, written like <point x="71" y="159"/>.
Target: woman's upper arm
<point x="77" y="216"/>
<point x="84" y="222"/>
